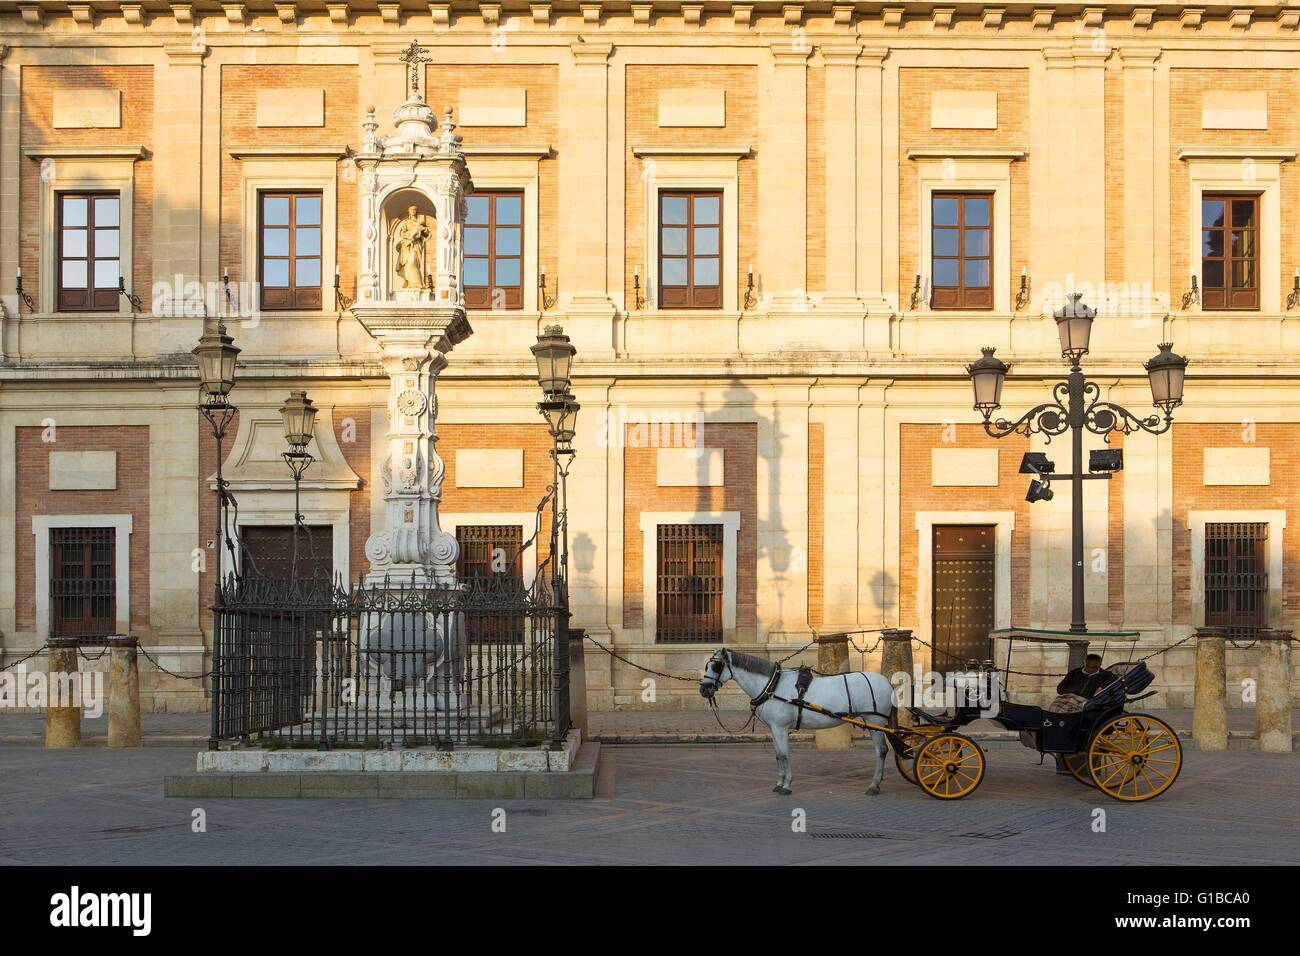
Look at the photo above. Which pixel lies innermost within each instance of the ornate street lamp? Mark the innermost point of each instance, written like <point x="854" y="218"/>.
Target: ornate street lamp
<point x="299" y="417"/>
<point x="1076" y="406"/>
<point x="554" y="354"/>
<point x="215" y="355"/>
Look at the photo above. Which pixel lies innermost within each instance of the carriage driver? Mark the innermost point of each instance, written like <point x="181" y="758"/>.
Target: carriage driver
<point x="1080" y="684"/>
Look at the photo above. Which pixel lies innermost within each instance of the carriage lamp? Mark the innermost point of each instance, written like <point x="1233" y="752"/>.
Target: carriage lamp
<point x="299" y="417"/>
<point x="216" y="354"/>
<point x="1167" y="372"/>
<point x="987" y="375"/>
<point x="25" y="298"/>
<point x="1074" y="325"/>
<point x="1106" y="460"/>
<point x="554" y="353"/>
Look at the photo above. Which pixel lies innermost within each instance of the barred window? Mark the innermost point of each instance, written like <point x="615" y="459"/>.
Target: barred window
<point x="491" y="559"/>
<point x="1236" y="577"/>
<point x="690" y="583"/>
<point x="83" y="582"/>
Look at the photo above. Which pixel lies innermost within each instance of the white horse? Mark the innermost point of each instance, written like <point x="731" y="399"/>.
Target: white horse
<point x="862" y="694"/>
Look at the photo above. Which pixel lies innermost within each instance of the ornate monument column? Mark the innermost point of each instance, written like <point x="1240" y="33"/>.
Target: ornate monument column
<point x="413" y="185"/>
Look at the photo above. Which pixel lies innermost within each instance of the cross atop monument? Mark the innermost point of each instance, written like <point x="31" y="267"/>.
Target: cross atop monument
<point x="413" y="56"/>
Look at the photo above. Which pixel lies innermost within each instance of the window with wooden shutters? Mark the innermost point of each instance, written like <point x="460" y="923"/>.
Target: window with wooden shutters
<point x="90" y="263"/>
<point x="690" y="583"/>
<point x="494" y="249"/>
<point x="961" y="250"/>
<point x="289" y="247"/>
<point x="1230" y="252"/>
<point x="1236" y="577"/>
<point x="83" y="583"/>
<point x="690" y="250"/>
<point x="491" y="557"/>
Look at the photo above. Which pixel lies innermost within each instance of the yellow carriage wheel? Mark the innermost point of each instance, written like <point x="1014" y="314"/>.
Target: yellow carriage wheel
<point x="913" y="738"/>
<point x="1077" y="764"/>
<point x="1134" y="757"/>
<point x="949" y="767"/>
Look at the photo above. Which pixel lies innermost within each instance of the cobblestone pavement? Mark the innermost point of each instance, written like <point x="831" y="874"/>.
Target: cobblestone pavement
<point x="681" y="804"/>
<point x="607" y="725"/>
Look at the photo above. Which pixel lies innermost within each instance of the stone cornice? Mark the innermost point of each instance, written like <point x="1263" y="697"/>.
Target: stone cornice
<point x="85" y="152"/>
<point x="732" y="151"/>
<point x="526" y="150"/>
<point x="966" y="152"/>
<point x="272" y="152"/>
<point x="1282" y="154"/>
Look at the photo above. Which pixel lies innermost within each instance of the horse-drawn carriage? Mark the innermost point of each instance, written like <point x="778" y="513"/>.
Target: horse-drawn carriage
<point x="1127" y="756"/>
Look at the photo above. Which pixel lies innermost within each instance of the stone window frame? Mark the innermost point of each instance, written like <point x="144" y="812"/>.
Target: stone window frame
<point x="516" y="169"/>
<point x="525" y="519"/>
<point x="693" y="169"/>
<point x="1196" y="522"/>
<point x="123" y="525"/>
<point x="1250" y="171"/>
<point x="85" y="169"/>
<point x="966" y="171"/>
<point x="649" y="524"/>
<point x="280" y="169"/>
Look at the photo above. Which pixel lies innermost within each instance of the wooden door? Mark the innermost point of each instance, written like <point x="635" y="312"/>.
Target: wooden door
<point x="962" y="599"/>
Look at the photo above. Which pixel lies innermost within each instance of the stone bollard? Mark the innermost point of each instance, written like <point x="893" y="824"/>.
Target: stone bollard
<point x="123" y="692"/>
<point x="62" y="724"/>
<point x="833" y="658"/>
<point x="896" y="658"/>
<point x="1273" y="703"/>
<point x="578" y="680"/>
<point x="1209" y="705"/>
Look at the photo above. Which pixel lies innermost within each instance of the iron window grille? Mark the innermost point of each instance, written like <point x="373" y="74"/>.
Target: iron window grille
<point x="89" y="252"/>
<point x="491" y="561"/>
<point x="1236" y="577"/>
<point x="494" y="237"/>
<point x="83" y="582"/>
<point x="289" y="250"/>
<point x="690" y="583"/>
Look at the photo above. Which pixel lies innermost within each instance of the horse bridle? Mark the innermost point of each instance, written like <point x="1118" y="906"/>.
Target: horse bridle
<point x="716" y="679"/>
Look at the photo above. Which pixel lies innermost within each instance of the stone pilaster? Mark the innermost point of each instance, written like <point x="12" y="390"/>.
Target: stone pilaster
<point x="783" y="162"/>
<point x="1209" y="707"/>
<point x="584" y="284"/>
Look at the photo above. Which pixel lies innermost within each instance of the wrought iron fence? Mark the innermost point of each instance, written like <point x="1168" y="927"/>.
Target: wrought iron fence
<point x="389" y="664"/>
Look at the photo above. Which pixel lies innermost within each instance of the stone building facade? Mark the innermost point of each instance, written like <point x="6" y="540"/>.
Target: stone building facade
<point x="776" y="233"/>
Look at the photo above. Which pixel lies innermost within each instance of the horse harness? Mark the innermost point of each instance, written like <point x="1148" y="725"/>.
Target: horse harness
<point x="803" y="678"/>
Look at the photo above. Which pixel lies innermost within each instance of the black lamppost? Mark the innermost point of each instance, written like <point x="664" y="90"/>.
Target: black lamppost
<point x="215" y="355"/>
<point x="299" y="417"/>
<point x="554" y="353"/>
<point x="1077" y="405"/>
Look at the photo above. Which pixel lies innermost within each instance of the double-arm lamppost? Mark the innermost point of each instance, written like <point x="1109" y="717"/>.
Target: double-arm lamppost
<point x="1076" y="406"/>
<point x="299" y="417"/>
